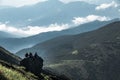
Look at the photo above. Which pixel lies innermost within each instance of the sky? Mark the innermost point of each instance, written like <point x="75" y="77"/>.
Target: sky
<point x="19" y="3"/>
<point x="33" y="30"/>
<point x="90" y="1"/>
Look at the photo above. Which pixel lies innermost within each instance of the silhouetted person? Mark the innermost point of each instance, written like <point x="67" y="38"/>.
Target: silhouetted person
<point x="26" y="55"/>
<point x="36" y="55"/>
<point x="25" y="63"/>
<point x="38" y="59"/>
<point x="31" y="55"/>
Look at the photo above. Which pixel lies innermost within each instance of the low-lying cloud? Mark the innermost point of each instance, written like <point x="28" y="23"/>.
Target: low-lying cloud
<point x="107" y="5"/>
<point x="19" y="3"/>
<point x="89" y="18"/>
<point x="32" y="30"/>
<point x="88" y="1"/>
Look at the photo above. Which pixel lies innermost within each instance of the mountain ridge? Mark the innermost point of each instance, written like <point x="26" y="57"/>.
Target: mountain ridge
<point x="8" y="57"/>
<point x="91" y="55"/>
<point x="20" y="43"/>
<point x="10" y="69"/>
<point x="58" y="41"/>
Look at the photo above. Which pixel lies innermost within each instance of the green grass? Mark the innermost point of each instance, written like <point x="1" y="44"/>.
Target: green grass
<point x="8" y="53"/>
<point x="18" y="73"/>
<point x="46" y="77"/>
<point x="11" y="74"/>
<point x="14" y="72"/>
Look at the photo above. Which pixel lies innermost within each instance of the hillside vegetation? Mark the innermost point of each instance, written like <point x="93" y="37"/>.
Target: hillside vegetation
<point x="13" y="72"/>
<point x="21" y="43"/>
<point x="10" y="69"/>
<point x="92" y="55"/>
<point x="8" y="57"/>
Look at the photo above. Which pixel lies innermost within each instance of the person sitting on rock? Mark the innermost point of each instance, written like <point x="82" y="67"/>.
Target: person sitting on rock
<point x="38" y="57"/>
<point x="38" y="62"/>
<point x="26" y="55"/>
<point x="32" y="63"/>
<point x="31" y="55"/>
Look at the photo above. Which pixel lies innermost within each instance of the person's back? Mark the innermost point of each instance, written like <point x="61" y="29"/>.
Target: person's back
<point x="26" y="55"/>
<point x="31" y="55"/>
<point x="38" y="58"/>
<point x="24" y="63"/>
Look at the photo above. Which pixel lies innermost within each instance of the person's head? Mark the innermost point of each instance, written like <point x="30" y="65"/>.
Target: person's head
<point x="35" y="54"/>
<point x="26" y="55"/>
<point x="30" y="54"/>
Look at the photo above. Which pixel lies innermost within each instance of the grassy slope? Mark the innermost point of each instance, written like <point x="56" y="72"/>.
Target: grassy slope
<point x="10" y="74"/>
<point x="8" y="57"/>
<point x="10" y="70"/>
<point x="13" y="72"/>
<point x="97" y="60"/>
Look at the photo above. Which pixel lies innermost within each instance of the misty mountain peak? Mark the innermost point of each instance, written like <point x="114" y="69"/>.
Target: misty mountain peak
<point x="54" y="1"/>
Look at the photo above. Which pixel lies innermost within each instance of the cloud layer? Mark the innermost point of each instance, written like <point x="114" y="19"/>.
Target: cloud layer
<point x="19" y="3"/>
<point x="89" y="18"/>
<point x="33" y="30"/>
<point x="89" y="1"/>
<point x="107" y="5"/>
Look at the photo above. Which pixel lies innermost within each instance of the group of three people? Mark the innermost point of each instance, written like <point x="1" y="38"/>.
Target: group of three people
<point x="32" y="63"/>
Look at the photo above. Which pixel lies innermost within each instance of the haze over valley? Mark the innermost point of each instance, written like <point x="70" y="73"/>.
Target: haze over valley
<point x="77" y="39"/>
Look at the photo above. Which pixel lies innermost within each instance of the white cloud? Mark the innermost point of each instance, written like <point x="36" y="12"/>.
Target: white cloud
<point x="32" y="30"/>
<point x="107" y="5"/>
<point x="89" y="1"/>
<point x="29" y="20"/>
<point x="89" y="18"/>
<point x="119" y="10"/>
<point x="19" y="3"/>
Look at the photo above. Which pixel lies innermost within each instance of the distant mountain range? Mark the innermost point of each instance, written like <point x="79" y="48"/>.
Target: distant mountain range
<point x="21" y="43"/>
<point x="89" y="51"/>
<point x="50" y="12"/>
<point x="71" y="42"/>
<point x="7" y="35"/>
<point x="91" y="55"/>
